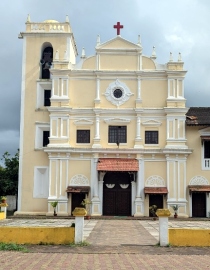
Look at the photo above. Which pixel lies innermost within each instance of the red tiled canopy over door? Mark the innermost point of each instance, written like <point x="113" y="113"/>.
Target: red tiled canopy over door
<point x="155" y="190"/>
<point x="118" y="164"/>
<point x="199" y="188"/>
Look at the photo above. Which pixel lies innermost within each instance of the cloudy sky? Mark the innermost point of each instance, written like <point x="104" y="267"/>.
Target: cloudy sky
<point x="171" y="26"/>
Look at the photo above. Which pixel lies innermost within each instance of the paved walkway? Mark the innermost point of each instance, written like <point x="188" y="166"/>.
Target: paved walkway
<point x="114" y="244"/>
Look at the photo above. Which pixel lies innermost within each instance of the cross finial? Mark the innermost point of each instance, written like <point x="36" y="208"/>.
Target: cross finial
<point x="118" y="26"/>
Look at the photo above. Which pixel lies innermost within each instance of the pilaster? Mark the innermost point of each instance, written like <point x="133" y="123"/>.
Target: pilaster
<point x="58" y="179"/>
<point x="139" y="200"/>
<point x="97" y="140"/>
<point x="95" y="200"/>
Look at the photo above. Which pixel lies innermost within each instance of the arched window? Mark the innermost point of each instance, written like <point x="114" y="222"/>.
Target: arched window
<point x="46" y="60"/>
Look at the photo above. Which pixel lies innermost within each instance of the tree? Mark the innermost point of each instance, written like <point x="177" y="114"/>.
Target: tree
<point x="9" y="174"/>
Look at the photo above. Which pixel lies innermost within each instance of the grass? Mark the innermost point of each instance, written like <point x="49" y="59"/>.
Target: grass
<point x="12" y="247"/>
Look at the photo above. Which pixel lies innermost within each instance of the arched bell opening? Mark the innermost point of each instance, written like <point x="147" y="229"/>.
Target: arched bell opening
<point x="46" y="60"/>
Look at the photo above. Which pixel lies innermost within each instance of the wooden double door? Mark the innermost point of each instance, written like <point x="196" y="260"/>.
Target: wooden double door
<point x="117" y="194"/>
<point x="198" y="204"/>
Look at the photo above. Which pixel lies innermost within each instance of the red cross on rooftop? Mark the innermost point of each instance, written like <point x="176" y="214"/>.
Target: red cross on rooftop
<point x="118" y="26"/>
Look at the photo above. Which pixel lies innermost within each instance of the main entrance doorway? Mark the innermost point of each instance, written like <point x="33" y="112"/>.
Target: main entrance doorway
<point x="199" y="204"/>
<point x="156" y="199"/>
<point x="117" y="194"/>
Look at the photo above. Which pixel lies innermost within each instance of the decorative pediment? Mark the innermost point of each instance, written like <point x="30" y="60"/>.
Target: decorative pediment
<point x="151" y="123"/>
<point x="117" y="121"/>
<point x="118" y="43"/>
<point x="83" y="122"/>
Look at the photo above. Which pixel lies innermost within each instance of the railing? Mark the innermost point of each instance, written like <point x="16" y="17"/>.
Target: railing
<point x="52" y="27"/>
<point x="206" y="163"/>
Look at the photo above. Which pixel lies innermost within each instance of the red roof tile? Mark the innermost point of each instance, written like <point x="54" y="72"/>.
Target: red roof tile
<point x="77" y="189"/>
<point x="117" y="164"/>
<point x="199" y="188"/>
<point x="155" y="190"/>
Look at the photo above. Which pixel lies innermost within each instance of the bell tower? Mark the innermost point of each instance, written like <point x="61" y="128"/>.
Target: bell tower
<point x="48" y="47"/>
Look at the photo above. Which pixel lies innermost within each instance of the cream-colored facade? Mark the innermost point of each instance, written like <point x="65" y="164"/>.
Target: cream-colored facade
<point x="116" y="105"/>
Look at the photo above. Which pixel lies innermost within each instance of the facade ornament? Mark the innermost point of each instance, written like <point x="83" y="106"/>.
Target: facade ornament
<point x="67" y="18"/>
<point x="118" y="93"/>
<point x="79" y="180"/>
<point x="153" y="53"/>
<point x="171" y="57"/>
<point x="28" y="19"/>
<point x="180" y="57"/>
<point x="124" y="186"/>
<point x="98" y="40"/>
<point x="139" y="40"/>
<point x="65" y="55"/>
<point x="83" y="56"/>
<point x="198" y="180"/>
<point x="57" y="55"/>
<point x="155" y="181"/>
<point x="110" y="185"/>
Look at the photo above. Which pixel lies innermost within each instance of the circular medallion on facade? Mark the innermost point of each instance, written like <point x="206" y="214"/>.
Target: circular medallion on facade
<point x="117" y="93"/>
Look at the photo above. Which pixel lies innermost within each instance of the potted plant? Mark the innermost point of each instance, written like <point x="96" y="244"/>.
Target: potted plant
<point x="175" y="208"/>
<point x="153" y="209"/>
<point x="86" y="204"/>
<point x="54" y="205"/>
<point x="3" y="199"/>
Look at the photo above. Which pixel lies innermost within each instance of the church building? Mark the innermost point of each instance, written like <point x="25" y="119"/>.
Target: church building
<point x="112" y="127"/>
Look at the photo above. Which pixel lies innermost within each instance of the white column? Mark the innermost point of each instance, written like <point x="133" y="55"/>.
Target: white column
<point x="163" y="231"/>
<point x="79" y="229"/>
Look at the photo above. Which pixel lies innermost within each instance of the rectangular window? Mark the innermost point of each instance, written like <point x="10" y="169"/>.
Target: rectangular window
<point x="83" y="136"/>
<point x="46" y="135"/>
<point x="47" y="96"/>
<point x="117" y="134"/>
<point x="206" y="149"/>
<point x="151" y="137"/>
